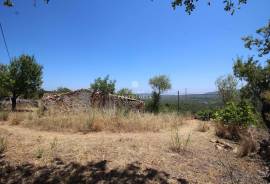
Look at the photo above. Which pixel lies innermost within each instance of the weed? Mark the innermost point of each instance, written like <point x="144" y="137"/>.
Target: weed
<point x="54" y="147"/>
<point x="3" y="116"/>
<point x="178" y="144"/>
<point x="39" y="153"/>
<point x="3" y="144"/>
<point x="203" y="127"/>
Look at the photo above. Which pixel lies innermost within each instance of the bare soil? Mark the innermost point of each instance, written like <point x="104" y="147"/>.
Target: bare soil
<point x="107" y="157"/>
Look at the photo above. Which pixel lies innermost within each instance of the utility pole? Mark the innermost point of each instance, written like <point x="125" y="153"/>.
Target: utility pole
<point x="178" y="102"/>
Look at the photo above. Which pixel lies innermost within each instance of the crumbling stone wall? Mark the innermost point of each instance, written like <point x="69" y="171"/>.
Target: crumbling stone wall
<point x="85" y="99"/>
<point x="77" y="100"/>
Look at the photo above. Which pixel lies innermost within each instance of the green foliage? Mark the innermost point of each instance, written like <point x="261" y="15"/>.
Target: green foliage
<point x="261" y="43"/>
<point x="159" y="84"/>
<point x="205" y="115"/>
<point x="104" y="86"/>
<point x="190" y="5"/>
<point x="126" y="92"/>
<point x="22" y="77"/>
<point x="63" y="90"/>
<point x="227" y="88"/>
<point x="254" y="73"/>
<point x="241" y="114"/>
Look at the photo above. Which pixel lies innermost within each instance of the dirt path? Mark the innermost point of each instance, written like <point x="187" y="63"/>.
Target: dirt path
<point x="198" y="163"/>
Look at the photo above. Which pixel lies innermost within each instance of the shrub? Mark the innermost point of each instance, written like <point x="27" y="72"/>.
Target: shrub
<point x="233" y="119"/>
<point x="204" y="115"/>
<point x="3" y="116"/>
<point x="241" y="114"/>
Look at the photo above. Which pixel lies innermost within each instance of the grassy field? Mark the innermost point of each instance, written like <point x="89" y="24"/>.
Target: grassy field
<point x="119" y="147"/>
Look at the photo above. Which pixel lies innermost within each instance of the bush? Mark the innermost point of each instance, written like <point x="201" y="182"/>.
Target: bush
<point x="204" y="115"/>
<point x="234" y="119"/>
<point x="241" y="114"/>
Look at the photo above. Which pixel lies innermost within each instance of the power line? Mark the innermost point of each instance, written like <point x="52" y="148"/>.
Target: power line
<point x="4" y="38"/>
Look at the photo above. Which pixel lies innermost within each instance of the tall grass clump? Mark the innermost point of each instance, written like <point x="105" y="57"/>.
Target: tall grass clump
<point x="95" y="120"/>
<point x="178" y="143"/>
<point x="3" y="116"/>
<point x="3" y="144"/>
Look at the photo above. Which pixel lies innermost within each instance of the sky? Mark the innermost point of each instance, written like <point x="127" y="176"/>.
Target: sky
<point x="77" y="41"/>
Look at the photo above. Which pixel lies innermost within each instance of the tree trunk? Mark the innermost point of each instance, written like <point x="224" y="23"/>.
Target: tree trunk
<point x="13" y="100"/>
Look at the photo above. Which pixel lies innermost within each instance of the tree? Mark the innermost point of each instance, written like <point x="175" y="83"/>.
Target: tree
<point x="190" y="5"/>
<point x="159" y="84"/>
<point x="256" y="74"/>
<point x="125" y="92"/>
<point x="63" y="90"/>
<point x="10" y="3"/>
<point x="3" y="91"/>
<point x="104" y="86"/>
<point x="22" y="77"/>
<point x="227" y="88"/>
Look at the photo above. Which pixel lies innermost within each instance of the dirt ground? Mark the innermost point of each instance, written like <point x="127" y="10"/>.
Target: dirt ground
<point x="106" y="157"/>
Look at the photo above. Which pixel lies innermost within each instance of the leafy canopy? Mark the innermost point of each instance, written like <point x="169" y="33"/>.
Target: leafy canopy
<point x="160" y="83"/>
<point x="22" y="76"/>
<point x="125" y="92"/>
<point x="253" y="72"/>
<point x="63" y="90"/>
<point x="104" y="86"/>
<point x="241" y="114"/>
<point x="190" y="5"/>
<point x="227" y="88"/>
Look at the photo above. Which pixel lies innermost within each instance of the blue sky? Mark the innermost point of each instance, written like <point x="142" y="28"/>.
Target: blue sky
<point x="131" y="40"/>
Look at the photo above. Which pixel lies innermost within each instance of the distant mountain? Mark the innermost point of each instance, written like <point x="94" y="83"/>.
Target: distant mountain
<point x="201" y="98"/>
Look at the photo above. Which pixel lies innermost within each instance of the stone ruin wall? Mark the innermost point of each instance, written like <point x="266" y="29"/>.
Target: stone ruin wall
<point x="82" y="100"/>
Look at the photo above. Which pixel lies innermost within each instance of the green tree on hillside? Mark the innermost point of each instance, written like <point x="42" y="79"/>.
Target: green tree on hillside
<point x="63" y="90"/>
<point x="227" y="88"/>
<point x="105" y="86"/>
<point x="159" y="84"/>
<point x="256" y="73"/>
<point x="125" y="92"/>
<point x="22" y="77"/>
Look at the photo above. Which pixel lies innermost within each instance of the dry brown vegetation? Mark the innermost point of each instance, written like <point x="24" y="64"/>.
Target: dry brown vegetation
<point x="95" y="121"/>
<point x="120" y="147"/>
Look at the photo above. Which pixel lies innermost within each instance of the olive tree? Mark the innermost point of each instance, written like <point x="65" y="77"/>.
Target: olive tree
<point x="159" y="85"/>
<point x="105" y="86"/>
<point x="125" y="92"/>
<point x="22" y="77"/>
<point x="227" y="88"/>
<point x="256" y="73"/>
<point x="189" y="5"/>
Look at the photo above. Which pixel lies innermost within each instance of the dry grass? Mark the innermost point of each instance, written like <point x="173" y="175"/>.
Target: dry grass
<point x="3" y="116"/>
<point x="178" y="143"/>
<point x="228" y="132"/>
<point x="95" y="121"/>
<point x="3" y="144"/>
<point x="198" y="165"/>
<point x="203" y="127"/>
